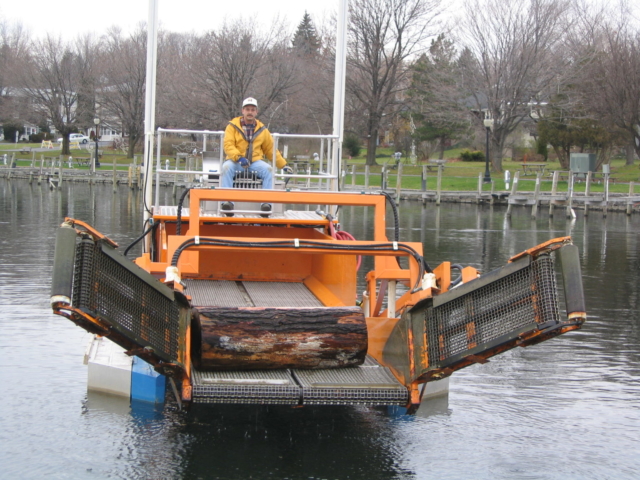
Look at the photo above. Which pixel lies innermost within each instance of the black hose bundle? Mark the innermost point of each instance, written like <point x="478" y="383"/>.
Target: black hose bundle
<point x="179" y="221"/>
<point x="307" y="244"/>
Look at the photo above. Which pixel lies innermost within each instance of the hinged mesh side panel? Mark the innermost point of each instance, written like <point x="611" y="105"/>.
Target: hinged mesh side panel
<point x="494" y="312"/>
<point x="106" y="289"/>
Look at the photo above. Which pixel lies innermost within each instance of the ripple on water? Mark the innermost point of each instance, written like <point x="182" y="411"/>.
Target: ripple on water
<point x="565" y="409"/>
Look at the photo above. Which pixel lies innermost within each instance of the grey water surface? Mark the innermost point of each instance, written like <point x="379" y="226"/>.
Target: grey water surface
<point x="566" y="409"/>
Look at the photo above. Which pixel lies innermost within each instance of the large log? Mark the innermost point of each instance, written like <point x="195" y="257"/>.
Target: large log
<point x="253" y="338"/>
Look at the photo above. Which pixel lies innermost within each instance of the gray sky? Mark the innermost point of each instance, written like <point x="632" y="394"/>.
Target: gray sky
<point x="70" y="18"/>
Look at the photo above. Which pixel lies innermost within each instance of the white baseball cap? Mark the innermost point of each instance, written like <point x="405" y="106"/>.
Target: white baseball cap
<point x="250" y="101"/>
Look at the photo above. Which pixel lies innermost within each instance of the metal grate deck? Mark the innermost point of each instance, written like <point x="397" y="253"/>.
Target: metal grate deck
<point x="369" y="384"/>
<point x="268" y="387"/>
<point x="249" y="294"/>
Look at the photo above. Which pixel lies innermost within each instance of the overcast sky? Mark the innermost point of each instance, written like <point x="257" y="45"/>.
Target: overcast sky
<point x="70" y="18"/>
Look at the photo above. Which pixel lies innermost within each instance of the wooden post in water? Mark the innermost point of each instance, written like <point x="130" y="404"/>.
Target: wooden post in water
<point x="423" y="184"/>
<point x="493" y="191"/>
<point x="115" y="180"/>
<point x="514" y="189"/>
<point x="439" y="185"/>
<point x="366" y="177"/>
<point x="587" y="193"/>
<point x="13" y="159"/>
<point x="398" y="182"/>
<point x="570" y="196"/>
<point x="629" y="201"/>
<point x="479" y="196"/>
<point x="41" y="169"/>
<point x="60" y="173"/>
<point x="554" y="191"/>
<point x="536" y="196"/>
<point x="606" y="195"/>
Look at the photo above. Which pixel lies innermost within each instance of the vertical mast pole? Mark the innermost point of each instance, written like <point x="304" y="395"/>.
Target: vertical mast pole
<point x="150" y="112"/>
<point x="339" y="89"/>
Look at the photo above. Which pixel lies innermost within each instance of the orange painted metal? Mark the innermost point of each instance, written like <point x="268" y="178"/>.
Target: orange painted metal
<point x="91" y="231"/>
<point x="545" y="247"/>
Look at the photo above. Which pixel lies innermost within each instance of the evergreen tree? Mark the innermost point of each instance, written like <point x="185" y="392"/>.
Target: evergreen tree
<point x="437" y="105"/>
<point x="305" y="40"/>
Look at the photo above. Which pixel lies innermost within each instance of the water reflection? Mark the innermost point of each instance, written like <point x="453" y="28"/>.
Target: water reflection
<point x="568" y="408"/>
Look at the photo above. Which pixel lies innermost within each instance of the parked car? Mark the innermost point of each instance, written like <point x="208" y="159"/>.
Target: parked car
<point x="76" y="137"/>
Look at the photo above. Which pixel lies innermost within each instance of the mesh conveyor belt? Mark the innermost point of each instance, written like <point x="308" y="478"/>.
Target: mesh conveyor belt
<point x="281" y="294"/>
<point x="369" y="384"/>
<point x="258" y="294"/>
<point x="215" y="292"/>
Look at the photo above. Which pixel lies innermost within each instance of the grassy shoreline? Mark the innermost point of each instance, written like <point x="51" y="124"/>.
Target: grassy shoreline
<point x="457" y="175"/>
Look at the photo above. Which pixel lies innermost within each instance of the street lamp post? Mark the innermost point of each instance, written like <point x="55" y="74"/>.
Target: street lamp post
<point x="488" y="124"/>
<point x="96" y="160"/>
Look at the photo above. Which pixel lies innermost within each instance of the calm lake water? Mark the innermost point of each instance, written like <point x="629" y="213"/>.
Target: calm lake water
<point x="566" y="409"/>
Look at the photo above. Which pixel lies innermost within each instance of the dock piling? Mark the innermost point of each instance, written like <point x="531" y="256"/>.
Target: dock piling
<point x="439" y="185"/>
<point x="514" y="189"/>
<point x="536" y="196"/>
<point x="398" y="181"/>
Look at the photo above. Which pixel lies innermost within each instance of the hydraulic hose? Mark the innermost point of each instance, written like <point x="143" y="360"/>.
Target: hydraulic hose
<point x="458" y="267"/>
<point x="396" y="230"/>
<point x="307" y="244"/>
<point x="179" y="221"/>
<point x="144" y="234"/>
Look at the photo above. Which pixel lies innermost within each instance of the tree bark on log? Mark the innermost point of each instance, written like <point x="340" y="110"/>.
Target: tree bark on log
<point x="256" y="338"/>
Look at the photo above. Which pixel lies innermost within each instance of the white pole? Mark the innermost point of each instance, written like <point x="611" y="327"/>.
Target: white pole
<point x="150" y="111"/>
<point x="339" y="87"/>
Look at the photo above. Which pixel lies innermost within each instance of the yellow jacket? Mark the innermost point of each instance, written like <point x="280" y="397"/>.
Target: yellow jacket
<point x="236" y="144"/>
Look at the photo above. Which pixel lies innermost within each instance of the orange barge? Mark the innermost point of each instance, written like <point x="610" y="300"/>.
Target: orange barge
<point x="265" y="309"/>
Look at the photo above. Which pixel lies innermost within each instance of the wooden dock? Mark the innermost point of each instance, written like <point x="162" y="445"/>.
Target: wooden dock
<point x="53" y="175"/>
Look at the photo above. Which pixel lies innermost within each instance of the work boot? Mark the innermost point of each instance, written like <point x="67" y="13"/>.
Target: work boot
<point x="225" y="207"/>
<point x="265" y="207"/>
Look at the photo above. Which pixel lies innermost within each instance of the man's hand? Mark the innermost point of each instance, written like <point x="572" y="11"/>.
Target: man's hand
<point x="243" y="162"/>
<point x="287" y="170"/>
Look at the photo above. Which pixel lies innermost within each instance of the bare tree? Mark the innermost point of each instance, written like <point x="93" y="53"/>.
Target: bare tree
<point x="14" y="48"/>
<point x="384" y="34"/>
<point x="610" y="82"/>
<point x="55" y="74"/>
<point x="122" y="95"/>
<point x="225" y="66"/>
<point x="513" y="60"/>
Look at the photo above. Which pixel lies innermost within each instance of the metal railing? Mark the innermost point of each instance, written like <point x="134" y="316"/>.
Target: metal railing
<point x="324" y="175"/>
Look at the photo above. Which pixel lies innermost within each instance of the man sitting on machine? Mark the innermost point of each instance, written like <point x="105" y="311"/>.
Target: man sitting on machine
<point x="248" y="147"/>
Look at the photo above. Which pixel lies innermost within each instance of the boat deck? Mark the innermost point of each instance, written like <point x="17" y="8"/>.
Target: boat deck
<point x="368" y="384"/>
<point x="223" y="293"/>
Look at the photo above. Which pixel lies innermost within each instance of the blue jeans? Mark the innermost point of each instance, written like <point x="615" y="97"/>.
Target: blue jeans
<point x="263" y="171"/>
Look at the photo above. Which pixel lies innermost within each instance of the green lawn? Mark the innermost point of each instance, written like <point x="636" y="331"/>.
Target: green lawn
<point x="457" y="175"/>
<point x="463" y="176"/>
